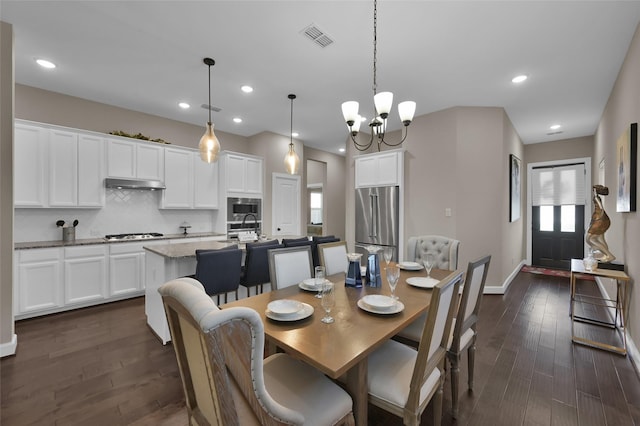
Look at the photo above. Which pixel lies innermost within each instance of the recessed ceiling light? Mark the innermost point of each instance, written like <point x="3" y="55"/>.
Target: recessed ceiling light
<point x="246" y="89"/>
<point x="237" y="120"/>
<point x="341" y="150"/>
<point x="519" y="78"/>
<point x="555" y="127"/>
<point x="45" y="64"/>
<point x="184" y="105"/>
<point x="295" y="134"/>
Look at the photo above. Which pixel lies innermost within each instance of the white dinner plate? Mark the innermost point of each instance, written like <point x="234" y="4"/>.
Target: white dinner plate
<point x="305" y="312"/>
<point x="378" y="302"/>
<point x="309" y="285"/>
<point x="399" y="307"/>
<point x="284" y="307"/>
<point x="423" y="282"/>
<point x="410" y="266"/>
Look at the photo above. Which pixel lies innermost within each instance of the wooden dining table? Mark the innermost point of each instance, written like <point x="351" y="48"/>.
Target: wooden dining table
<point x="341" y="349"/>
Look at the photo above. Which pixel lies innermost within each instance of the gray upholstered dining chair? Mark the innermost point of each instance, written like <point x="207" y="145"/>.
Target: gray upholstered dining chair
<point x="446" y="252"/>
<point x="464" y="325"/>
<point x="225" y="379"/>
<point x="333" y="256"/>
<point x="289" y="266"/>
<point x="403" y="380"/>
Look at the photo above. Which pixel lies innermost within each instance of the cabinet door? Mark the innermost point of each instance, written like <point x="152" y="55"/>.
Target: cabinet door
<point x="39" y="280"/>
<point x="365" y="171"/>
<point x="85" y="274"/>
<point x="387" y="169"/>
<point x="150" y="161"/>
<point x="253" y="180"/>
<point x="63" y="169"/>
<point x="178" y="175"/>
<point x="126" y="268"/>
<point x="121" y="159"/>
<point x="90" y="171"/>
<point x="205" y="184"/>
<point x="235" y="173"/>
<point x="30" y="167"/>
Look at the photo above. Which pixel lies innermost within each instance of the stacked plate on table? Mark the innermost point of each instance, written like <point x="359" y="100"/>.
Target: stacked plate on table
<point x="288" y="310"/>
<point x="422" y="282"/>
<point x="380" y="304"/>
<point x="312" y="284"/>
<point x="410" y="266"/>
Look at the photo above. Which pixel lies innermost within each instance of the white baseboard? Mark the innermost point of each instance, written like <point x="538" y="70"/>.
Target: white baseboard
<point x="502" y="289"/>
<point x="9" y="348"/>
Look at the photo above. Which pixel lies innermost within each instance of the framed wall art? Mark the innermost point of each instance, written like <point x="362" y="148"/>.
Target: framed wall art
<point x="626" y="169"/>
<point x="515" y="171"/>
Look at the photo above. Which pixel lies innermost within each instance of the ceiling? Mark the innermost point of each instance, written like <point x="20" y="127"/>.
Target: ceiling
<point x="147" y="56"/>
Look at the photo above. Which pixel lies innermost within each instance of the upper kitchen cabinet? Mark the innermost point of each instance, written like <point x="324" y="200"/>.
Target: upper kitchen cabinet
<point x="190" y="182"/>
<point x="56" y="167"/>
<point x="379" y="169"/>
<point x="243" y="174"/>
<point x="135" y="159"/>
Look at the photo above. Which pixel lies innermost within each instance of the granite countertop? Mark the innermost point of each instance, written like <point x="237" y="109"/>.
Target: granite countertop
<point x="180" y="250"/>
<point x="90" y="241"/>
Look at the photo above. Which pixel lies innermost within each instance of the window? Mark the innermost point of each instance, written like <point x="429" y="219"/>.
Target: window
<point x="315" y="206"/>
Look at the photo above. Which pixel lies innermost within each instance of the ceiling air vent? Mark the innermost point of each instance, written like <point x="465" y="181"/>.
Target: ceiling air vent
<point x="316" y="35"/>
<point x="213" y="108"/>
<point x="554" y="133"/>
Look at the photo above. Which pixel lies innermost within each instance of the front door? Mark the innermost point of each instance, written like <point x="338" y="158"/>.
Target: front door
<point x="557" y="235"/>
<point x="285" y="205"/>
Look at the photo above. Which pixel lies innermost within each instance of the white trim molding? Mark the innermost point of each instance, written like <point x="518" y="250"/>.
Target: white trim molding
<point x="502" y="289"/>
<point x="9" y="348"/>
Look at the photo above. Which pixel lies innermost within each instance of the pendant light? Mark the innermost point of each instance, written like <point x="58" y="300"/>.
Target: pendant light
<point x="209" y="145"/>
<point x="291" y="160"/>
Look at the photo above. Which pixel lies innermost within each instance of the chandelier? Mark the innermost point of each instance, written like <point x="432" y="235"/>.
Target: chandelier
<point x="209" y="145"/>
<point x="382" y="102"/>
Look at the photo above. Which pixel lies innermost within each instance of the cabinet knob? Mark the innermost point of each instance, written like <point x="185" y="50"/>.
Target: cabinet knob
<point x="279" y="229"/>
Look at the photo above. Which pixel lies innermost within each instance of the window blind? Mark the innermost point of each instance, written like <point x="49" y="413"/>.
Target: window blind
<point x="558" y="186"/>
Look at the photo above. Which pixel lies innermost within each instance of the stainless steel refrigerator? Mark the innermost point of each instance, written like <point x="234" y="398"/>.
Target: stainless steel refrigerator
<point x="377" y="218"/>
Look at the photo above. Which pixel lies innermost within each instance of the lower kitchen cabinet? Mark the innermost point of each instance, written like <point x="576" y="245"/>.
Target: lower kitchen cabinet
<point x="126" y="268"/>
<point x="39" y="277"/>
<point x="85" y="274"/>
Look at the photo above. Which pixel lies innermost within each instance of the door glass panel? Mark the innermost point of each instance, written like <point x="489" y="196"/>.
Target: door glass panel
<point x="546" y="218"/>
<point x="568" y="219"/>
<point x="315" y="204"/>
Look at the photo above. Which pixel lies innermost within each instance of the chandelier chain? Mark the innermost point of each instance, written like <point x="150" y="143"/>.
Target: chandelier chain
<point x="375" y="45"/>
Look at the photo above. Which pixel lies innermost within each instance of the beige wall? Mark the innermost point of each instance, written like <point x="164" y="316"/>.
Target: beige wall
<point x="623" y="108"/>
<point x="559" y="150"/>
<point x="6" y="189"/>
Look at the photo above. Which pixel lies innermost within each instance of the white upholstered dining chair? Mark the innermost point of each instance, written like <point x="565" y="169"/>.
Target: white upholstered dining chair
<point x="401" y="379"/>
<point x="464" y="325"/>
<point x="289" y="266"/>
<point x="333" y="256"/>
<point x="225" y="379"/>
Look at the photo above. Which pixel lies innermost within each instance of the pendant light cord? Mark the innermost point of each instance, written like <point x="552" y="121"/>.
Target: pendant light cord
<point x="209" y="104"/>
<point x="375" y="45"/>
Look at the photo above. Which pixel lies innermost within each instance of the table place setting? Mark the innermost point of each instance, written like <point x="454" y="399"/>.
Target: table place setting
<point x="288" y="310"/>
<point x="380" y="304"/>
<point x="422" y="282"/>
<point x="312" y="284"/>
<point x="410" y="266"/>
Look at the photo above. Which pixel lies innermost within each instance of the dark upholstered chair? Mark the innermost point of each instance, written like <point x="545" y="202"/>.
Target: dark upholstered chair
<point x="256" y="265"/>
<point x="320" y="240"/>
<point x="219" y="271"/>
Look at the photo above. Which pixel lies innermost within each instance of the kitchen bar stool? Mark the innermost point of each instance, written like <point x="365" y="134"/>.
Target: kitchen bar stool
<point x="219" y="271"/>
<point x="256" y="265"/>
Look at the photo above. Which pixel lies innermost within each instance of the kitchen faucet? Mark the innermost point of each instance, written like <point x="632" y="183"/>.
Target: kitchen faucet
<point x="255" y="220"/>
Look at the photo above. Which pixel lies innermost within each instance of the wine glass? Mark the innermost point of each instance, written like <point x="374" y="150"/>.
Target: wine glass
<point x="319" y="279"/>
<point x="393" y="273"/>
<point x="328" y="300"/>
<point x="429" y="262"/>
<point x="388" y="254"/>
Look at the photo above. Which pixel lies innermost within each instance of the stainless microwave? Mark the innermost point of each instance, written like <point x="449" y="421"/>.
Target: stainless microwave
<point x="244" y="209"/>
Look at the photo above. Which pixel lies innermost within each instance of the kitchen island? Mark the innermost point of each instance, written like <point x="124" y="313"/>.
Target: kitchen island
<point x="164" y="263"/>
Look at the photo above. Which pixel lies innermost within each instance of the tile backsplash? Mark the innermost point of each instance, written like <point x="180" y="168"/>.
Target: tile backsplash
<point x="125" y="211"/>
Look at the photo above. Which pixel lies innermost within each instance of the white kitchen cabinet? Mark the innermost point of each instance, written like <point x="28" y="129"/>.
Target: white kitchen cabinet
<point x="91" y="165"/>
<point x="190" y="182"/>
<point x="379" y="169"/>
<point x="30" y="169"/>
<point x="243" y="174"/>
<point x="126" y="268"/>
<point x="135" y="159"/>
<point x="85" y="274"/>
<point x="39" y="280"/>
<point x="63" y="168"/>
<point x="205" y="183"/>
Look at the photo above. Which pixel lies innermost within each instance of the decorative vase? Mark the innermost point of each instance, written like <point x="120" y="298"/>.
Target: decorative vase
<point x="354" y="277"/>
<point x="373" y="267"/>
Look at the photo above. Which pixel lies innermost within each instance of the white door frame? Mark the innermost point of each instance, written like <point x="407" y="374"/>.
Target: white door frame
<point x="274" y="178"/>
<point x="587" y="203"/>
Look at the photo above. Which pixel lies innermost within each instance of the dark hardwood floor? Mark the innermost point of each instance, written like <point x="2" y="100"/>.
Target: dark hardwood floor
<point x="102" y="366"/>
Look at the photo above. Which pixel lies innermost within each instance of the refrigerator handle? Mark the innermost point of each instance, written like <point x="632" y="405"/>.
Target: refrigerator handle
<point x="372" y="210"/>
<point x="374" y="216"/>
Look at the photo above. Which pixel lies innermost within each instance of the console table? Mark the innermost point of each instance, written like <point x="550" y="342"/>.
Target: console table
<point x="619" y="304"/>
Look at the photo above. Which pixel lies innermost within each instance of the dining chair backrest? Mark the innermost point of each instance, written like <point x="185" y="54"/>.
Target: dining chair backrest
<point x="296" y="242"/>
<point x="444" y="249"/>
<point x="256" y="264"/>
<point x="219" y="270"/>
<point x="435" y="334"/>
<point x="472" y="294"/>
<point x="333" y="256"/>
<point x="220" y="358"/>
<point x="289" y="266"/>
<point x="316" y="241"/>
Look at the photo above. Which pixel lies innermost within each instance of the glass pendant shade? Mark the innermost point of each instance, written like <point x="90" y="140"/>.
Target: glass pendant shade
<point x="406" y="110"/>
<point x="350" y="111"/>
<point x="209" y="145"/>
<point x="383" y="102"/>
<point x="291" y="161"/>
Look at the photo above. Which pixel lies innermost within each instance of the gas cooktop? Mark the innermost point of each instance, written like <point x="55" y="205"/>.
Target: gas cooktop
<point x="135" y="236"/>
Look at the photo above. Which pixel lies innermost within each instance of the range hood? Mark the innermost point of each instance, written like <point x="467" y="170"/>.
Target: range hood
<point x="134" y="184"/>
